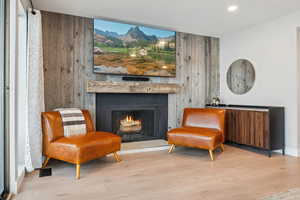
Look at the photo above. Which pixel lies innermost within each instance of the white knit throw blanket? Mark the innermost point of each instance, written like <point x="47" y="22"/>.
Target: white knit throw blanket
<point x="73" y="121"/>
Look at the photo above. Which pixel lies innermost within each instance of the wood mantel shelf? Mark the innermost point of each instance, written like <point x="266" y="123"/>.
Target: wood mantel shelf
<point x="131" y="87"/>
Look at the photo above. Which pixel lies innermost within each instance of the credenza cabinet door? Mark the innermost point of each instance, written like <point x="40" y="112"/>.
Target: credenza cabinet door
<point x="230" y="131"/>
<point x="248" y="127"/>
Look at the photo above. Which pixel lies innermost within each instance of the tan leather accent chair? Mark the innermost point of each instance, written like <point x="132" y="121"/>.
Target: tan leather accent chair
<point x="76" y="149"/>
<point x="201" y="128"/>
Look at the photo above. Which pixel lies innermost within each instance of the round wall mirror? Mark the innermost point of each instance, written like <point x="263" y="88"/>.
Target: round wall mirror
<point x="240" y="76"/>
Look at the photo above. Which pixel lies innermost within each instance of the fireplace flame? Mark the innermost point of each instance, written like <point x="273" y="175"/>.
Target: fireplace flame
<point x="129" y="118"/>
<point x="128" y="124"/>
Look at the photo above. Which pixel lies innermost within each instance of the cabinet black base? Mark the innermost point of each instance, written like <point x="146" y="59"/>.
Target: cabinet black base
<point x="267" y="152"/>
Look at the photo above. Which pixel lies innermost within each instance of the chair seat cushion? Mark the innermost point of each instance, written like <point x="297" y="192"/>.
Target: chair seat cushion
<point x="82" y="148"/>
<point x="195" y="137"/>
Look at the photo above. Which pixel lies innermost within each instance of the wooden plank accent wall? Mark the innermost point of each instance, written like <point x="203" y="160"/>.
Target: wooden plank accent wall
<point x="68" y="61"/>
<point x="68" y="64"/>
<point x="197" y="72"/>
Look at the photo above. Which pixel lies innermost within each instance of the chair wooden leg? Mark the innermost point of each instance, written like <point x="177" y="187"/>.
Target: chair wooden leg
<point x="211" y="153"/>
<point x="171" y="148"/>
<point x="46" y="162"/>
<point x="117" y="157"/>
<point x="222" y="147"/>
<point x="78" y="171"/>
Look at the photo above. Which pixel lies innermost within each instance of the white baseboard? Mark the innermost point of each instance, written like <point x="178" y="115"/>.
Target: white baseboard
<point x="292" y="151"/>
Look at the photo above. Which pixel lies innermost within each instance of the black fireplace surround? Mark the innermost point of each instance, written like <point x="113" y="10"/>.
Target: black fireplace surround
<point x="149" y="109"/>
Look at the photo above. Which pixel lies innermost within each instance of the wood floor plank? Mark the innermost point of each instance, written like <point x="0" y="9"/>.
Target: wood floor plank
<point x="184" y="174"/>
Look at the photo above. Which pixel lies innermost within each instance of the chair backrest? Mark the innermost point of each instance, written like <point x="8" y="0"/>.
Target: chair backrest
<point x="53" y="127"/>
<point x="204" y="118"/>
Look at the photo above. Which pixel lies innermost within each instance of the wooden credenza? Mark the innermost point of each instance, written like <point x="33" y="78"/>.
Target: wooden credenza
<point x="255" y="126"/>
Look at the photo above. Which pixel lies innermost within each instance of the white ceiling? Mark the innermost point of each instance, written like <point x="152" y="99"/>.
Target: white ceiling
<point x="205" y="17"/>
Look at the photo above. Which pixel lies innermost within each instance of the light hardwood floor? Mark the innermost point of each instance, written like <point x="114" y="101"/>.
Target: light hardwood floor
<point x="184" y="174"/>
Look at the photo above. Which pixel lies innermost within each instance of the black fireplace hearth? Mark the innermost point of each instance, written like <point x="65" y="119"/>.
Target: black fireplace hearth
<point x="134" y="117"/>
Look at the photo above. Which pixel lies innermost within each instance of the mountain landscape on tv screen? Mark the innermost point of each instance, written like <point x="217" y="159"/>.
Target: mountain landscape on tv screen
<point x="134" y="53"/>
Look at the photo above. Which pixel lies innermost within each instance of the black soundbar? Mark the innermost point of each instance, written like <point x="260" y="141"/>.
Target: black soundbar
<point x="132" y="78"/>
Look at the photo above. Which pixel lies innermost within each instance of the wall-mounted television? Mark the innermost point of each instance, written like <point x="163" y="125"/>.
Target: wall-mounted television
<point x="129" y="49"/>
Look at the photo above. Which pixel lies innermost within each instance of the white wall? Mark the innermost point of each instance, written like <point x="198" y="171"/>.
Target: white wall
<point x="272" y="48"/>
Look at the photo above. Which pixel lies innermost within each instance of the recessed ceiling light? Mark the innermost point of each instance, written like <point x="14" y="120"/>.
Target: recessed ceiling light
<point x="232" y="8"/>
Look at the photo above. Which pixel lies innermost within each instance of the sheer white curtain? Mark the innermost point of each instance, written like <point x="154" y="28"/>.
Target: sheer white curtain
<point x="36" y="105"/>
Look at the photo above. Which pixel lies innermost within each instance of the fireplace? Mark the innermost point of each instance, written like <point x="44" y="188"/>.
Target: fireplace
<point x="133" y="125"/>
<point x="134" y="117"/>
